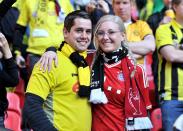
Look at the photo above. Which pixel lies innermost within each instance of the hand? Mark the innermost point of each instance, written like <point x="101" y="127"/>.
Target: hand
<point x="100" y="4"/>
<point x="6" y="52"/>
<point x="46" y="60"/>
<point x="90" y="7"/>
<point x="103" y="6"/>
<point x="20" y="61"/>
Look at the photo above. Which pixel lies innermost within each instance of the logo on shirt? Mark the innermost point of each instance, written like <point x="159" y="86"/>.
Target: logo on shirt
<point x="136" y="32"/>
<point x="75" y="87"/>
<point x="120" y="76"/>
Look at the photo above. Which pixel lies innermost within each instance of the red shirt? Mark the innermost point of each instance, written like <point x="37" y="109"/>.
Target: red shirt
<point x="110" y="116"/>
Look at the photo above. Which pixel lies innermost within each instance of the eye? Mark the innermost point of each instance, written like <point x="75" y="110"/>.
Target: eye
<point x="111" y="32"/>
<point x="79" y="30"/>
<point x="88" y="31"/>
<point x="100" y="33"/>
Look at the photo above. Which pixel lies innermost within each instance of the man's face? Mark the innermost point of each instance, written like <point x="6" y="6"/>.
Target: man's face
<point x="122" y="8"/>
<point x="79" y="36"/>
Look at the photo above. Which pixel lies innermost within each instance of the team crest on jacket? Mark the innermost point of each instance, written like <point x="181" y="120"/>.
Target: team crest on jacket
<point x="120" y="76"/>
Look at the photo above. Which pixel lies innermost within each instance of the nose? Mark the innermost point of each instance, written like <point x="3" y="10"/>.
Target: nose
<point x="105" y="35"/>
<point x="121" y="6"/>
<point x="84" y="34"/>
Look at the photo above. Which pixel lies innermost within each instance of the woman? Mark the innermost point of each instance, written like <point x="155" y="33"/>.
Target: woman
<point x="117" y="81"/>
<point x="8" y="75"/>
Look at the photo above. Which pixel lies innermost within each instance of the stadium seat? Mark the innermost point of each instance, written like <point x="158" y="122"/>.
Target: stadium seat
<point x="156" y="119"/>
<point x="19" y="90"/>
<point x="13" y="120"/>
<point x="14" y="102"/>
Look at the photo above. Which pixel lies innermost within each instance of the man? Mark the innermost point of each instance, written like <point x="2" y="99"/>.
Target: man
<point x="169" y="38"/>
<point x="154" y="21"/>
<point x="58" y="100"/>
<point x="45" y="20"/>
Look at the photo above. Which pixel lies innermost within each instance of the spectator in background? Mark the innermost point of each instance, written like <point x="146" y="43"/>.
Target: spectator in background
<point x="8" y="68"/>
<point x="8" y="75"/>
<point x="59" y="100"/>
<point x="45" y="20"/>
<point x="162" y="17"/>
<point x="7" y="27"/>
<point x="169" y="40"/>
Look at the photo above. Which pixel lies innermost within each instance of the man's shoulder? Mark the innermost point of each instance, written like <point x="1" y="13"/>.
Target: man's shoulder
<point x="63" y="60"/>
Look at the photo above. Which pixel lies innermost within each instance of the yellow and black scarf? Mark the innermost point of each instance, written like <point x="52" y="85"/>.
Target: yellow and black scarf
<point x="78" y="59"/>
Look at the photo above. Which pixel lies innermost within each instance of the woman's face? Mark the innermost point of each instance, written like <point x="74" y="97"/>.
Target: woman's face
<point x="109" y="37"/>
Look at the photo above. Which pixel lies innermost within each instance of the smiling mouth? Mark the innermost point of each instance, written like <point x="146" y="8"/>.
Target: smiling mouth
<point x="83" y="42"/>
<point x="107" y="44"/>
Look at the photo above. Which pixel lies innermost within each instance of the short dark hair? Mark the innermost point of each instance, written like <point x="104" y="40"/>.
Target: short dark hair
<point x="69" y="20"/>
